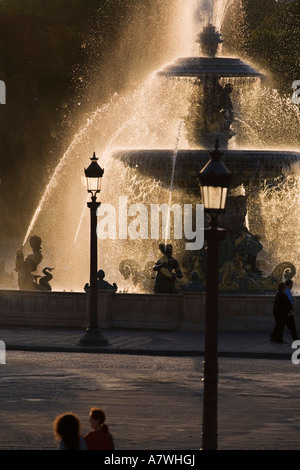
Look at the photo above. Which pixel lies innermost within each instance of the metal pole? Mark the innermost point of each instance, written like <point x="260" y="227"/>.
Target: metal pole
<point x="93" y="334"/>
<point x="210" y="392"/>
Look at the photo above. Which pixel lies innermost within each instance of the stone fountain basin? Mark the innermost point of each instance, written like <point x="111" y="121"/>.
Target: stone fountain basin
<point x="247" y="166"/>
<point x="209" y="66"/>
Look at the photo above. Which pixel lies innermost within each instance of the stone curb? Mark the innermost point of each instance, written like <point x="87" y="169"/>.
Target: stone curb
<point x="143" y="352"/>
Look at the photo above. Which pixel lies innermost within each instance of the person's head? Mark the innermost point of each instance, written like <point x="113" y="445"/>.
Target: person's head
<point x="289" y="283"/>
<point x="281" y="287"/>
<point x="67" y="428"/>
<point x="97" y="419"/>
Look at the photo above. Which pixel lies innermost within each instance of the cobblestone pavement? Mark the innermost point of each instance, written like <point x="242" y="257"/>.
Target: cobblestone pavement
<point x="151" y="402"/>
<point x="150" y="384"/>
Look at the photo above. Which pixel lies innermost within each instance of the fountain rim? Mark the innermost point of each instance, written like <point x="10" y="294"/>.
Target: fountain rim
<point x="209" y="66"/>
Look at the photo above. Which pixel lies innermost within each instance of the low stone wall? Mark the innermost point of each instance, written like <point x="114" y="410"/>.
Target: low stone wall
<point x="184" y="312"/>
<point x="42" y="309"/>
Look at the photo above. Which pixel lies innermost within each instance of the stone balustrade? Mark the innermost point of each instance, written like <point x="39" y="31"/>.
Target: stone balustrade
<point x="184" y="312"/>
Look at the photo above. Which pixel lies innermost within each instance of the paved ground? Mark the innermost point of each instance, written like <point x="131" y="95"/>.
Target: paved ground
<point x="152" y="401"/>
<point x="148" y="342"/>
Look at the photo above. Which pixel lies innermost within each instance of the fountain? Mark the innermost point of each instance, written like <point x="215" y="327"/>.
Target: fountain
<point x="204" y="89"/>
<point x="210" y="119"/>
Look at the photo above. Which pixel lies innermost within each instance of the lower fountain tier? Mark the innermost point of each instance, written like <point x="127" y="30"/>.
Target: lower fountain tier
<point x="247" y="166"/>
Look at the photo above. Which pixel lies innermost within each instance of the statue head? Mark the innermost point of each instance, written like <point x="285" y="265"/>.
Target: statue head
<point x="228" y="88"/>
<point x="101" y="274"/>
<point x="166" y="249"/>
<point x="35" y="242"/>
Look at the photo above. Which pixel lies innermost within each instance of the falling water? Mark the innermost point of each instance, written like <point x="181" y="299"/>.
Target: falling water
<point x="174" y="157"/>
<point x="211" y="11"/>
<point x="53" y="181"/>
<point x="220" y="8"/>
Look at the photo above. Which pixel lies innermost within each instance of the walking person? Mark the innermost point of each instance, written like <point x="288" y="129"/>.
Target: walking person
<point x="282" y="309"/>
<point x="100" y="437"/>
<point x="67" y="431"/>
<point x="291" y="324"/>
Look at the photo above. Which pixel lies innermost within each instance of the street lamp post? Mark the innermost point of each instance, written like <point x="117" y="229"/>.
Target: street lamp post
<point x="214" y="184"/>
<point x="93" y="334"/>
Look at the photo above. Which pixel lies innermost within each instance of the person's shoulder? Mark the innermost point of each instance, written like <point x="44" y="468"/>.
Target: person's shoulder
<point x="88" y="434"/>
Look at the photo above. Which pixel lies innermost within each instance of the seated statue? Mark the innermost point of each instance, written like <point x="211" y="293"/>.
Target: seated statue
<point x="168" y="272"/>
<point x="102" y="284"/>
<point x="25" y="266"/>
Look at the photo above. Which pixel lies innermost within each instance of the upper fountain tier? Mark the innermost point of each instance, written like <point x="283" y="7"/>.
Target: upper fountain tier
<point x="209" y="64"/>
<point x="197" y="67"/>
<point x="211" y="112"/>
<point x="210" y="117"/>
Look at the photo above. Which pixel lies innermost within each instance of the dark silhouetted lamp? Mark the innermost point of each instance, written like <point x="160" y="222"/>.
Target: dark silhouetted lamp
<point x="214" y="181"/>
<point x="93" y="335"/>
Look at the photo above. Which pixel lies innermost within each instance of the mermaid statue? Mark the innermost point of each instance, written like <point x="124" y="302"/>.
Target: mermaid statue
<point x="26" y="266"/>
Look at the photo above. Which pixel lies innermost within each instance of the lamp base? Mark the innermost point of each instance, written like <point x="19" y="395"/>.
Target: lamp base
<point x="94" y="337"/>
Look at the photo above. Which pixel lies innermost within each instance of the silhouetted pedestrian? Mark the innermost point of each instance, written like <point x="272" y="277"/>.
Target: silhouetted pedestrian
<point x="282" y="311"/>
<point x="67" y="431"/>
<point x="100" y="438"/>
<point x="291" y="318"/>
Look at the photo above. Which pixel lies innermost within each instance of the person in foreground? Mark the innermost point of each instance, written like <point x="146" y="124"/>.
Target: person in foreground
<point x="67" y="432"/>
<point x="100" y="438"/>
